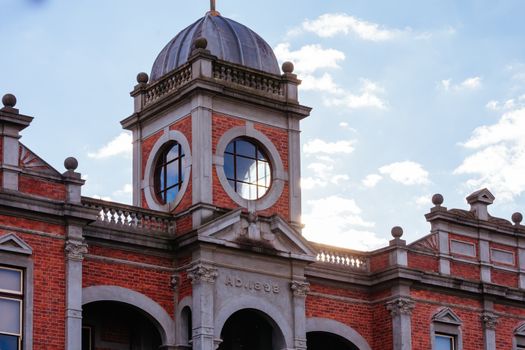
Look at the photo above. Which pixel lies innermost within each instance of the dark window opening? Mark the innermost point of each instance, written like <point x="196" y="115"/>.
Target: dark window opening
<point x="247" y="168"/>
<point x="169" y="172"/>
<point x="324" y="340"/>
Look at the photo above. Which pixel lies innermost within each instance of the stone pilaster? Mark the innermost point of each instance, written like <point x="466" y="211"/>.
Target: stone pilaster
<point x="300" y="289"/>
<point x="75" y="249"/>
<point x="401" y="311"/>
<point x="490" y="322"/>
<point x="203" y="278"/>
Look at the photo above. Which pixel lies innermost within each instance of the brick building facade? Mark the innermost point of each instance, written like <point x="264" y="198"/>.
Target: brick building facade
<point x="210" y="255"/>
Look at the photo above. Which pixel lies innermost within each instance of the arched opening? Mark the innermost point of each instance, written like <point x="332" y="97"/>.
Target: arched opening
<point x="251" y="329"/>
<point x="325" y="340"/>
<point x="114" y="326"/>
<point x="186" y="326"/>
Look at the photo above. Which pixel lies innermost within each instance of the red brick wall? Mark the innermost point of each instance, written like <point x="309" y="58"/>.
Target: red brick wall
<point x="379" y="261"/>
<point x="504" y="278"/>
<point x="423" y="262"/>
<point x="152" y="282"/>
<point x="40" y="187"/>
<point x="429" y="303"/>
<point x="356" y="311"/>
<point x="49" y="280"/>
<point x="464" y="270"/>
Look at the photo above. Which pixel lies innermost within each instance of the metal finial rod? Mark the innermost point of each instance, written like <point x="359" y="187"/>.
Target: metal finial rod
<point x="212" y="5"/>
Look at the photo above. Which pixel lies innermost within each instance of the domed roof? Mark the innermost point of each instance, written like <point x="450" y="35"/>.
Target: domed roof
<point x="228" y="40"/>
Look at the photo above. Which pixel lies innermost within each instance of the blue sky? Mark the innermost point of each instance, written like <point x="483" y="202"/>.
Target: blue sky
<point x="410" y="98"/>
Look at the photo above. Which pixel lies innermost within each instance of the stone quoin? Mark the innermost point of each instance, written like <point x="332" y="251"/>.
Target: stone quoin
<point x="210" y="254"/>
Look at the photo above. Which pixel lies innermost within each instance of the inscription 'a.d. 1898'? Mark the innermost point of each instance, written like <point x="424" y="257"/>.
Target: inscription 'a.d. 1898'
<point x="252" y="285"/>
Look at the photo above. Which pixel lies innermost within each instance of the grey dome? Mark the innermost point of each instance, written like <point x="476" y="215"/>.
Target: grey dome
<point x="228" y="40"/>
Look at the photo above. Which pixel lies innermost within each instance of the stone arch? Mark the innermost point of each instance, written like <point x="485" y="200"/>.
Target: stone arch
<point x="156" y="313"/>
<point x="249" y="302"/>
<point x="317" y="324"/>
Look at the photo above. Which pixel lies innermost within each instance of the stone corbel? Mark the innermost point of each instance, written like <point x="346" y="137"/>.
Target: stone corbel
<point x="299" y="288"/>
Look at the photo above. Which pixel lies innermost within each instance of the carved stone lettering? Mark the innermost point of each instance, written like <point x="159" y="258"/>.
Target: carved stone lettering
<point x="251" y="285"/>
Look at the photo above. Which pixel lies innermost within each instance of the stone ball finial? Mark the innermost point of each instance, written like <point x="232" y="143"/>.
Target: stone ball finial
<point x="397" y="232"/>
<point x="201" y="43"/>
<point x="142" y="78"/>
<point x="71" y="163"/>
<point x="9" y="100"/>
<point x="517" y="218"/>
<point x="288" y="67"/>
<point x="437" y="199"/>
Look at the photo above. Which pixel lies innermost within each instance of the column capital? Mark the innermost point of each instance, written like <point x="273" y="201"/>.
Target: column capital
<point x="490" y="320"/>
<point x="300" y="288"/>
<point x="203" y="273"/>
<point x="401" y="306"/>
<point x="75" y="250"/>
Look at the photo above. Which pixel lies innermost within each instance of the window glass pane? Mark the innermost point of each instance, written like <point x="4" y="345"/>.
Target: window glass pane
<point x="171" y="194"/>
<point x="8" y="342"/>
<point x="246" y="170"/>
<point x="261" y="156"/>
<point x="172" y="174"/>
<point x="172" y="153"/>
<point x="229" y="148"/>
<point x="262" y="191"/>
<point x="228" y="166"/>
<point x="245" y="148"/>
<point x="263" y="172"/>
<point x="444" y="342"/>
<point x="247" y="191"/>
<point x="11" y="280"/>
<point x="10" y="315"/>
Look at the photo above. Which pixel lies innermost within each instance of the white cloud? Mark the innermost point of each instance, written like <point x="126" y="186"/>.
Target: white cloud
<point x="368" y="97"/>
<point x="498" y="162"/>
<point x="423" y="201"/>
<point x="324" y="83"/>
<point x="308" y="183"/>
<point x="309" y="58"/>
<point x="406" y="173"/>
<point x="372" y="180"/>
<point x="318" y="146"/>
<point x="338" y="221"/>
<point x="472" y="83"/>
<point x="331" y="24"/>
<point x="120" y="145"/>
<point x="127" y="189"/>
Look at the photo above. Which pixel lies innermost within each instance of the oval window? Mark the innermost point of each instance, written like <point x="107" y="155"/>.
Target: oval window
<point x="169" y="172"/>
<point x="247" y="168"/>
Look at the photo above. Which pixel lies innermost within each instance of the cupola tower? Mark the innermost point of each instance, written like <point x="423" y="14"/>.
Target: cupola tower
<point x="216" y="127"/>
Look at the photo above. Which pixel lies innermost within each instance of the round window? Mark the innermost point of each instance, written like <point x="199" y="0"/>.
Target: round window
<point x="169" y="172"/>
<point x="247" y="168"/>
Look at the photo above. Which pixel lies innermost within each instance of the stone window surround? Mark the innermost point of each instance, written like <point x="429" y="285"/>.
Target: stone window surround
<point x="519" y="337"/>
<point x="24" y="262"/>
<point x="279" y="177"/>
<point x="148" y="183"/>
<point x="446" y="326"/>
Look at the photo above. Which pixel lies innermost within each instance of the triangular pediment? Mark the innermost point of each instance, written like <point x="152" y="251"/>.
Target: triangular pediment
<point x="483" y="195"/>
<point x="12" y="243"/>
<point x="520" y="330"/>
<point x="30" y="161"/>
<point x="446" y="315"/>
<point x="247" y="231"/>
